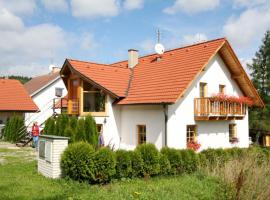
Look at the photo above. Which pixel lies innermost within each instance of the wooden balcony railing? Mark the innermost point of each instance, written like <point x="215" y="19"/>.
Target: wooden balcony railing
<point x="206" y="109"/>
<point x="73" y="107"/>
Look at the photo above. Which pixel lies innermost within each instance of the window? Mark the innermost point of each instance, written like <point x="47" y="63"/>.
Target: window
<point x="232" y="132"/>
<point x="222" y="89"/>
<point x="141" y="134"/>
<point x="203" y="89"/>
<point x="93" y="99"/>
<point x="191" y="133"/>
<point x="58" y="92"/>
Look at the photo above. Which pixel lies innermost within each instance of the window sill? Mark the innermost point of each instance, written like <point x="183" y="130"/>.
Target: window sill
<point x="95" y="114"/>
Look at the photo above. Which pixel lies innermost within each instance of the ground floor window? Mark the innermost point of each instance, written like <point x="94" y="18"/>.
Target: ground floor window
<point x="141" y="129"/>
<point x="191" y="133"/>
<point x="99" y="128"/>
<point x="232" y="132"/>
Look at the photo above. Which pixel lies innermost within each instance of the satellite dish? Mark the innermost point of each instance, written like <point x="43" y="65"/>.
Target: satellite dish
<point x="159" y="48"/>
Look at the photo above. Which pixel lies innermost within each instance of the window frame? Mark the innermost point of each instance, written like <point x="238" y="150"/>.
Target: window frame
<point x="141" y="140"/>
<point x="194" y="131"/>
<point x="222" y="88"/>
<point x="203" y="90"/>
<point x="232" y="131"/>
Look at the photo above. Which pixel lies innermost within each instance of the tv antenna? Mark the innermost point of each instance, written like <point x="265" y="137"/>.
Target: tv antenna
<point x="159" y="48"/>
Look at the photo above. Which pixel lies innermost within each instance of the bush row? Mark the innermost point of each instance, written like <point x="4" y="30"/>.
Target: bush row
<point x="83" y="129"/>
<point x="80" y="162"/>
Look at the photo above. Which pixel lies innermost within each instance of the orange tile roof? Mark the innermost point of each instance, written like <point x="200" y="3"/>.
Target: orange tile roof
<point x="155" y="81"/>
<point x="14" y="97"/>
<point x="39" y="82"/>
<point x="165" y="80"/>
<point x="114" y="79"/>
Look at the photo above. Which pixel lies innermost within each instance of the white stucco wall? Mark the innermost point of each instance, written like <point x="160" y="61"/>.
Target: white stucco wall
<point x="44" y="101"/>
<point x="150" y="115"/>
<point x="212" y="134"/>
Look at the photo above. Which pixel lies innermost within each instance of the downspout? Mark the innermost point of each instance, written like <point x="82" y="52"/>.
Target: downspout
<point x="165" y="110"/>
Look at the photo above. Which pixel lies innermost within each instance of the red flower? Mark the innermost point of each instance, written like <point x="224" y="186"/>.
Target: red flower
<point x="232" y="99"/>
<point x="193" y="145"/>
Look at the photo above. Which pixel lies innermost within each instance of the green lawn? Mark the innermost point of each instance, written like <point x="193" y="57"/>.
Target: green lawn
<point x="19" y="180"/>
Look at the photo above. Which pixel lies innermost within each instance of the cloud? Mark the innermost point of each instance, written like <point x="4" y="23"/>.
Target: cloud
<point x="19" y="7"/>
<point x="133" y="4"/>
<point x="93" y="9"/>
<point x="55" y="5"/>
<point x="147" y="46"/>
<point x="191" y="39"/>
<point x="249" y="27"/>
<point x="248" y="3"/>
<point x="191" y="6"/>
<point x="8" y="21"/>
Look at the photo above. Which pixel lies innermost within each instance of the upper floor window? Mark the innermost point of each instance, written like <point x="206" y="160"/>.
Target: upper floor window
<point x="59" y="91"/>
<point x="93" y="99"/>
<point x="141" y="134"/>
<point x="203" y="89"/>
<point x="222" y="89"/>
<point x="191" y="133"/>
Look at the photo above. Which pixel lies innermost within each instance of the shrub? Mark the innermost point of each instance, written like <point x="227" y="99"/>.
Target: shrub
<point x="175" y="159"/>
<point x="235" y="152"/>
<point x="123" y="164"/>
<point x="61" y="123"/>
<point x="80" y="131"/>
<point x="77" y="162"/>
<point x="49" y="126"/>
<point x="150" y="156"/>
<point x="91" y="134"/>
<point x="69" y="132"/>
<point x="189" y="160"/>
<point x="165" y="166"/>
<point x="215" y="156"/>
<point x="14" y="129"/>
<point x="137" y="163"/>
<point x="104" y="165"/>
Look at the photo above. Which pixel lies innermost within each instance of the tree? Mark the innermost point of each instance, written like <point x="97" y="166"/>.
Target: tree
<point x="260" y="72"/>
<point x="91" y="133"/>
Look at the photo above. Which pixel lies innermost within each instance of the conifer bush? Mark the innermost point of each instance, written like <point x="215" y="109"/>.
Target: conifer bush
<point x="77" y="162"/>
<point x="165" y="166"/>
<point x="49" y="126"/>
<point x="80" y="131"/>
<point x="14" y="129"/>
<point x="105" y="164"/>
<point x="190" y="160"/>
<point x="123" y="164"/>
<point x="91" y="134"/>
<point x="150" y="156"/>
<point x="175" y="158"/>
<point x="137" y="163"/>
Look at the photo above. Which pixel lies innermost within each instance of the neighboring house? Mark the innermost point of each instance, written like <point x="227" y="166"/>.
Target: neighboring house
<point x="44" y="90"/>
<point x="165" y="99"/>
<point x="14" y="100"/>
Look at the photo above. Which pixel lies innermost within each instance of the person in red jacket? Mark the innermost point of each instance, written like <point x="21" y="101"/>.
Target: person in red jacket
<point x="35" y="134"/>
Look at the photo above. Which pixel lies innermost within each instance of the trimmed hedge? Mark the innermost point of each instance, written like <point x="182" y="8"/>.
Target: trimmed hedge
<point x="150" y="157"/>
<point x="14" y="129"/>
<point x="77" y="162"/>
<point x="105" y="164"/>
<point x="81" y="162"/>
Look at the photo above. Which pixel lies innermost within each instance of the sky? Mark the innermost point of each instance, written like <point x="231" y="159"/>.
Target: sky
<point x="37" y="33"/>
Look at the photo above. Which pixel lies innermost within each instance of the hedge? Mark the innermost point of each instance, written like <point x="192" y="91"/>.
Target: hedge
<point x="14" y="129"/>
<point x="81" y="162"/>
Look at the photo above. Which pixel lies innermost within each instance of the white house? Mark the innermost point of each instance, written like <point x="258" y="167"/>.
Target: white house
<point x="44" y="90"/>
<point x="168" y="99"/>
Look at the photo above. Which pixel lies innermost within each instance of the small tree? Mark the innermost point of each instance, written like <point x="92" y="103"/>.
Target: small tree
<point x="49" y="126"/>
<point x="14" y="129"/>
<point x="80" y="131"/>
<point x="91" y="134"/>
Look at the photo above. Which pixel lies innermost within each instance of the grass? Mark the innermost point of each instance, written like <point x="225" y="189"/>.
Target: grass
<point x="19" y="180"/>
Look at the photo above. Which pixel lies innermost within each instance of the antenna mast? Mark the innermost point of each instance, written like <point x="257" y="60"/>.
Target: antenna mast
<point x="158" y="36"/>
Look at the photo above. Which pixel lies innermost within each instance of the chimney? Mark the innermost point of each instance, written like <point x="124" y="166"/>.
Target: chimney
<point x="54" y="69"/>
<point x="133" y="58"/>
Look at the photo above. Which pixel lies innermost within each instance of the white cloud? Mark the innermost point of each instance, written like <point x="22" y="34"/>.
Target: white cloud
<point x="55" y="5"/>
<point x="19" y="7"/>
<point x="191" y="6"/>
<point x="88" y="42"/>
<point x="92" y="9"/>
<point x="133" y="4"/>
<point x="147" y="45"/>
<point x="191" y="39"/>
<point x="248" y="3"/>
<point x="250" y="26"/>
<point x="8" y="21"/>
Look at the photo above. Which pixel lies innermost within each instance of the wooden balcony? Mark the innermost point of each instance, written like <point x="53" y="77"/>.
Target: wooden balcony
<point x="207" y="109"/>
<point x="73" y="106"/>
